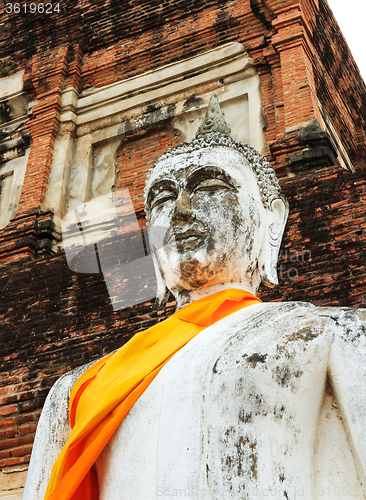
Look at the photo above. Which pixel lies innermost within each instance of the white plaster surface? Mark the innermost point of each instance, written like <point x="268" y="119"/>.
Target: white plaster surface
<point x="59" y="178"/>
<point x="12" y="84"/>
<point x="242" y="411"/>
<point x="103" y="177"/>
<point x="241" y="103"/>
<point x="229" y="428"/>
<point x="11" y="179"/>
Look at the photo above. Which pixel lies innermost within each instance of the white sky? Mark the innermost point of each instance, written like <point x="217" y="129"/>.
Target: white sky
<point x="351" y="16"/>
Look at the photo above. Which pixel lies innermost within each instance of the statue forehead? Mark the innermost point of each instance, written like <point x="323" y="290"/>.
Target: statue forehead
<point x="181" y="166"/>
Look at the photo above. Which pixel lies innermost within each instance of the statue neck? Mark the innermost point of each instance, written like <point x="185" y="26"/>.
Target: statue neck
<point x="185" y="297"/>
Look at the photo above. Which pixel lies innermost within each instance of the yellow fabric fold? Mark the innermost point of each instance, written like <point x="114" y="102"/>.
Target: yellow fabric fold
<point x="104" y="394"/>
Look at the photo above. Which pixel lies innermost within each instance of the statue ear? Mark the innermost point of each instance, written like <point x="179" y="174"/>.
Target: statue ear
<point x="162" y="292"/>
<point x="276" y="220"/>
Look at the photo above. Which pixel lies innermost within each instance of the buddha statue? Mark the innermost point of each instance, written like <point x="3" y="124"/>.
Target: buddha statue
<point x="259" y="400"/>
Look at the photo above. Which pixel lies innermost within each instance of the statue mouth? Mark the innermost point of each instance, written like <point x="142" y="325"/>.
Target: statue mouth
<point x="191" y="238"/>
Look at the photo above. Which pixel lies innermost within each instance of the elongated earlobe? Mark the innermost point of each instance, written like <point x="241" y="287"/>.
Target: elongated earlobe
<point x="162" y="292"/>
<point x="268" y="258"/>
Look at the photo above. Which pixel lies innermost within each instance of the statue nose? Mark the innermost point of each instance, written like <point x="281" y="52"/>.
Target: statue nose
<point x="183" y="207"/>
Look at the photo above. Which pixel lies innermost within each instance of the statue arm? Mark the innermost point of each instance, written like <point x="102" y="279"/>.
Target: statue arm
<point x="52" y="433"/>
<point x="347" y="371"/>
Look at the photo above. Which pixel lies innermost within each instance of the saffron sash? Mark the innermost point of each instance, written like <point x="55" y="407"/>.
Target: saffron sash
<point x="104" y="394"/>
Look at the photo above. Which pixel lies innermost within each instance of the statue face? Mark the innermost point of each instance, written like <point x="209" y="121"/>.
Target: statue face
<point x="210" y="201"/>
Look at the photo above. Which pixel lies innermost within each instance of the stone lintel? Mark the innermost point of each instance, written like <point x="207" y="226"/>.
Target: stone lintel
<point x="154" y="85"/>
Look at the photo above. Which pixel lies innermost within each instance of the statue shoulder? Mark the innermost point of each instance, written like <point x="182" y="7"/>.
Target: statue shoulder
<point x="52" y="433"/>
<point x="56" y="407"/>
<point x="348" y="323"/>
<point x="332" y="322"/>
<point x="65" y="383"/>
<point x="57" y="400"/>
<point x="344" y="317"/>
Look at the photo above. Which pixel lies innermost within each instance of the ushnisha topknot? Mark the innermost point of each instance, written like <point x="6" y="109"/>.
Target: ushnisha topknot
<point x="213" y="132"/>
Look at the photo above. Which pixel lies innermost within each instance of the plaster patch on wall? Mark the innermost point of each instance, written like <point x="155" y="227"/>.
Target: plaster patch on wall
<point x="12" y="84"/>
<point x="12" y="482"/>
<point x="11" y="181"/>
<point x="343" y="157"/>
<point x="14" y="144"/>
<point x="103" y="175"/>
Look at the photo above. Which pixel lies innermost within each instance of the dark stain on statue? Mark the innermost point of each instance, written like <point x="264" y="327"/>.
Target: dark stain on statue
<point x="350" y="332"/>
<point x="259" y="407"/>
<point x="283" y="375"/>
<point x="246" y="457"/>
<point x="229" y="431"/>
<point x="245" y="417"/>
<point x="214" y="369"/>
<point x="240" y="386"/>
<point x="306" y="334"/>
<point x="279" y="412"/>
<point x="255" y="358"/>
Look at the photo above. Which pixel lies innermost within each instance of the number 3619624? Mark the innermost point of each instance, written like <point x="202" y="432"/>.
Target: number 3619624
<point x="32" y="8"/>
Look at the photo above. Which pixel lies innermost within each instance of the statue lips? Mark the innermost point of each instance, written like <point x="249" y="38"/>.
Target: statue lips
<point x="189" y="239"/>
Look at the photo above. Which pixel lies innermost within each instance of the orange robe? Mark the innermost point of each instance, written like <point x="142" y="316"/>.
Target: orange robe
<point x="104" y="394"/>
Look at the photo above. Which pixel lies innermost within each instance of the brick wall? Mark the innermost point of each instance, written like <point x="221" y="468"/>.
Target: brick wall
<point x="323" y="253"/>
<point x="95" y="24"/>
<point x="110" y="42"/>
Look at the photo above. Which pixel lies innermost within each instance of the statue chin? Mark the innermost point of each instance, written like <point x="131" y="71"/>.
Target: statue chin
<point x="197" y="269"/>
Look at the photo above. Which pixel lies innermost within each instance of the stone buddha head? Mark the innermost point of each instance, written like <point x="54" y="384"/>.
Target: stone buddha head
<point x="220" y="201"/>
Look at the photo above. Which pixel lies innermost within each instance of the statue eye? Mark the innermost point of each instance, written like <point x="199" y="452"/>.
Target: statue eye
<point x="213" y="185"/>
<point x="162" y="198"/>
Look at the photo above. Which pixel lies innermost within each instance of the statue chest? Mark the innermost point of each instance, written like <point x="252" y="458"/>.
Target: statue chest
<point x="236" y="410"/>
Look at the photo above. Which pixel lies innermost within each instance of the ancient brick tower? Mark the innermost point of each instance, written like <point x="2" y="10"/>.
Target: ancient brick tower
<point x="91" y="93"/>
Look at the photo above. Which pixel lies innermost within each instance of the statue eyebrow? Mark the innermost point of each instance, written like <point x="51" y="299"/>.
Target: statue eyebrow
<point x="209" y="172"/>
